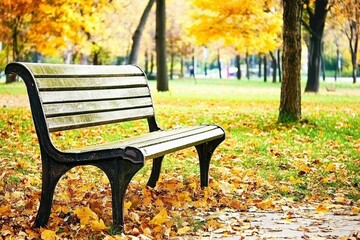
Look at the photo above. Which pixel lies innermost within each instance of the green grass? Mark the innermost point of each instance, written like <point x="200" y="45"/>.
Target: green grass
<point x="298" y="156"/>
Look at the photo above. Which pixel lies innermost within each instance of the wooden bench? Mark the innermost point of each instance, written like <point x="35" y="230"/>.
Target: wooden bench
<point x="65" y="97"/>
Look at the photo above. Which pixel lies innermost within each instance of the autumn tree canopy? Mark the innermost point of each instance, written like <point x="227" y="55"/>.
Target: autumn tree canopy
<point x="249" y="26"/>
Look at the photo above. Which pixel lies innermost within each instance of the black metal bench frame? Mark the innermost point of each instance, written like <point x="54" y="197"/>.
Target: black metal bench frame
<point x="64" y="97"/>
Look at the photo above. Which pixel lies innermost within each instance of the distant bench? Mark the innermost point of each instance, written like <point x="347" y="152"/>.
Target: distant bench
<point x="65" y="97"/>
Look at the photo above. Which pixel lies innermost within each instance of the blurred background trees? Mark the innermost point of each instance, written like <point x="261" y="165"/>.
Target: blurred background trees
<point x="234" y="38"/>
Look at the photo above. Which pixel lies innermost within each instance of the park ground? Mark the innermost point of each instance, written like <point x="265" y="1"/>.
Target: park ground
<point x="268" y="180"/>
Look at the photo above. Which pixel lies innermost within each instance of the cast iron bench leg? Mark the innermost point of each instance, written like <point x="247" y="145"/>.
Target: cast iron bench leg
<point x="155" y="171"/>
<point x="51" y="173"/>
<point x="120" y="172"/>
<point x="205" y="152"/>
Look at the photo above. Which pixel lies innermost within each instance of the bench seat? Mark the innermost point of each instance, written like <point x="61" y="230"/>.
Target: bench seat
<point x="159" y="143"/>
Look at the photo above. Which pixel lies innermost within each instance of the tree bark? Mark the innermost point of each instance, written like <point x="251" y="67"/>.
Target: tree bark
<point x="247" y="66"/>
<point x="138" y="33"/>
<point x="260" y="66"/>
<point x="265" y="68"/>
<point x="354" y="44"/>
<point x="219" y="64"/>
<point x="274" y="67"/>
<point x="161" y="74"/>
<point x="316" y="29"/>
<point x="290" y="99"/>
<point x="237" y="62"/>
<point x="279" y="64"/>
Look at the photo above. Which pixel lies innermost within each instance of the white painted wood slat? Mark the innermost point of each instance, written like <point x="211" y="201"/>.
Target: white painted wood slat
<point x="86" y="120"/>
<point x="91" y="95"/>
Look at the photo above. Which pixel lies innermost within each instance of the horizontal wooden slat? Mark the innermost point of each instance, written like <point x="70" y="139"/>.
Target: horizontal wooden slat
<point x="50" y="70"/>
<point x="163" y="148"/>
<point x="167" y="136"/>
<point x="159" y="143"/>
<point x="86" y="120"/>
<point x="63" y="109"/>
<point x="89" y="95"/>
<point x="80" y="83"/>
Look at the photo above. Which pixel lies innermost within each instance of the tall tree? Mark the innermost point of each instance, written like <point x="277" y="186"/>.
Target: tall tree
<point x="15" y="19"/>
<point x="161" y="67"/>
<point x="138" y="33"/>
<point x="314" y="21"/>
<point x="290" y="99"/>
<point x="347" y="14"/>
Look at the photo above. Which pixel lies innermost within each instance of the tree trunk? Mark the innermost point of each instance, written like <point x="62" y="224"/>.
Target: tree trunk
<point x="237" y="62"/>
<point x="181" y="66"/>
<point x="337" y="67"/>
<point x="290" y="99"/>
<point x="161" y="74"/>
<point x="247" y="65"/>
<point x="260" y="66"/>
<point x="265" y="68"/>
<point x="279" y="63"/>
<point x="316" y="28"/>
<point x="354" y="44"/>
<point x="146" y="63"/>
<point x="274" y="67"/>
<point x="172" y="59"/>
<point x="138" y="32"/>
<point x="219" y="64"/>
<point x="152" y="64"/>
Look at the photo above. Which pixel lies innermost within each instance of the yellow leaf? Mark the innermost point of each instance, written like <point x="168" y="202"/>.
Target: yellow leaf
<point x="322" y="209"/>
<point x="159" y="203"/>
<point x="160" y="217"/>
<point x="85" y="214"/>
<point x="355" y="210"/>
<point x="284" y="188"/>
<point x="331" y="167"/>
<point x="48" y="234"/>
<point x="294" y="180"/>
<point x="5" y="210"/>
<point x="266" y="204"/>
<point x="342" y="200"/>
<point x="98" y="225"/>
<point x="184" y="230"/>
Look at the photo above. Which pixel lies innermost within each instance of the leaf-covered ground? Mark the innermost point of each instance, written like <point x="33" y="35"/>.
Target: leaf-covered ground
<point x="262" y="166"/>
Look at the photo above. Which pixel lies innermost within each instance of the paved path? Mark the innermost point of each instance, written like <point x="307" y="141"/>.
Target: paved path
<point x="289" y="225"/>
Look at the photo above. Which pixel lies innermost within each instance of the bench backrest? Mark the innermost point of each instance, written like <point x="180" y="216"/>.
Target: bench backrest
<point x="75" y="96"/>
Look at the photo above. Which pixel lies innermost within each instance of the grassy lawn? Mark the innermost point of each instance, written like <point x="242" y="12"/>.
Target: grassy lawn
<point x="261" y="165"/>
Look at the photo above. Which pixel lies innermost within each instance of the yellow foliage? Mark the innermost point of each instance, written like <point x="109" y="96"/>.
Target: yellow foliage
<point x="88" y="217"/>
<point x="48" y="235"/>
<point x="252" y="26"/>
<point x="160" y="218"/>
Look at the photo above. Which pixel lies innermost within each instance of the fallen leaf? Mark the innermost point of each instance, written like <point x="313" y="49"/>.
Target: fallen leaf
<point x="322" y="209"/>
<point x="48" y="235"/>
<point x="160" y="218"/>
<point x="183" y="230"/>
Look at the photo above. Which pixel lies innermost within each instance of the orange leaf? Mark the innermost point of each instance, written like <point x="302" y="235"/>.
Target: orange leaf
<point x="322" y="209"/>
<point x="5" y="210"/>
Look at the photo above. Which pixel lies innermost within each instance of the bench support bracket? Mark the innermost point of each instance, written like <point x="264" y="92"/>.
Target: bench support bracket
<point x="155" y="171"/>
<point x="205" y="152"/>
